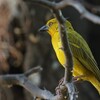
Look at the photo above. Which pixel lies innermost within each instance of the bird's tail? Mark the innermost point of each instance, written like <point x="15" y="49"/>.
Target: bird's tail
<point x="94" y="81"/>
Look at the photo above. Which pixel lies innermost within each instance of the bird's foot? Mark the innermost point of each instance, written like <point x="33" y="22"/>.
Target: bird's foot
<point x="62" y="90"/>
<point x="60" y="86"/>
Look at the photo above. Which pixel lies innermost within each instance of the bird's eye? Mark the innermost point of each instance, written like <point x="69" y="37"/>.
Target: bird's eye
<point x="51" y="23"/>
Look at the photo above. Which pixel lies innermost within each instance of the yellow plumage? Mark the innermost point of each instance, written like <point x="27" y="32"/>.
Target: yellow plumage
<point x="84" y="62"/>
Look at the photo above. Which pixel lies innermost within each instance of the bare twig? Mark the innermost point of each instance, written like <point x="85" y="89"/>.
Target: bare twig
<point x="22" y="80"/>
<point x="74" y="3"/>
<point x="91" y="7"/>
<point x="34" y="70"/>
<point x="66" y="48"/>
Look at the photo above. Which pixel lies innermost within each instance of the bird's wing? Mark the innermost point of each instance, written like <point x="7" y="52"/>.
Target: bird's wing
<point x="82" y="52"/>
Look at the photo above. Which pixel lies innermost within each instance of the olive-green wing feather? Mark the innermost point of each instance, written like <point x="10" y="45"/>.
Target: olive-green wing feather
<point x="82" y="52"/>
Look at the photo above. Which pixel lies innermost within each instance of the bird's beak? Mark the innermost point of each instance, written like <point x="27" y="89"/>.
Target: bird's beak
<point x="43" y="28"/>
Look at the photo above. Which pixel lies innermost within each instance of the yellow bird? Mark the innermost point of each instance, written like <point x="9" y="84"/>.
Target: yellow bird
<point x="84" y="62"/>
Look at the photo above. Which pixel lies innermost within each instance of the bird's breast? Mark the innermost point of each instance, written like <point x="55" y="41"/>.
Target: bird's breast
<point x="57" y="45"/>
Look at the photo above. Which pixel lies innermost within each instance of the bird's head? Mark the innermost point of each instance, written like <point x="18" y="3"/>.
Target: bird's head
<point x="51" y="27"/>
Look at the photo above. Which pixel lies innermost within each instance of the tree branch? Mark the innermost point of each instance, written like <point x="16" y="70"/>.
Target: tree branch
<point x="91" y="7"/>
<point x="22" y="80"/>
<point x="74" y="3"/>
<point x="68" y="54"/>
<point x="34" y="70"/>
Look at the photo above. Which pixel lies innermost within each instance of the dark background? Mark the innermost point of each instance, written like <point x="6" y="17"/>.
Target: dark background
<point x="43" y="54"/>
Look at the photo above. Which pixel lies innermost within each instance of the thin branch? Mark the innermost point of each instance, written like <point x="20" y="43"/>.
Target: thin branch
<point x="65" y="44"/>
<point x="80" y="8"/>
<point x="34" y="70"/>
<point x="84" y="13"/>
<point x="91" y="7"/>
<point x="68" y="54"/>
<point x="74" y="3"/>
<point x="22" y="80"/>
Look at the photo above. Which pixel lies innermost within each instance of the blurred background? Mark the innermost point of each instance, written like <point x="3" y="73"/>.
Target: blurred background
<point x="23" y="47"/>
